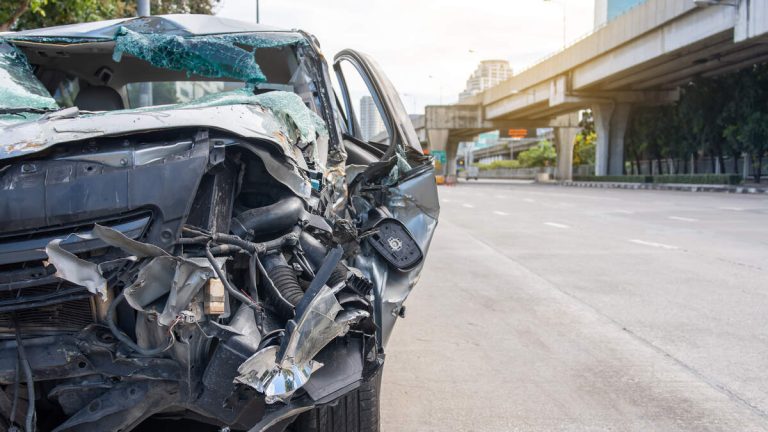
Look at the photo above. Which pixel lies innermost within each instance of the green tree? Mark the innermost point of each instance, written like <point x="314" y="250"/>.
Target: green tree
<point x="207" y="7"/>
<point x="655" y="134"/>
<point x="28" y="14"/>
<point x="700" y="109"/>
<point x="748" y="112"/>
<point x="671" y="139"/>
<point x="543" y="154"/>
<point x="636" y="142"/>
<point x="11" y="12"/>
<point x="729" y="117"/>
<point x="586" y="140"/>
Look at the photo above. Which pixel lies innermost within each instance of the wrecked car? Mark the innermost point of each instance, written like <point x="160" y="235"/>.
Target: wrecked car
<point x="195" y="228"/>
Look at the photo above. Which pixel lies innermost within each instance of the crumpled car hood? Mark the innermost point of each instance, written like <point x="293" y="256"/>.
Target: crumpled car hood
<point x="279" y="118"/>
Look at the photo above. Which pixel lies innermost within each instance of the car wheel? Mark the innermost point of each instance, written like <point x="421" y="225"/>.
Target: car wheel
<point x="356" y="411"/>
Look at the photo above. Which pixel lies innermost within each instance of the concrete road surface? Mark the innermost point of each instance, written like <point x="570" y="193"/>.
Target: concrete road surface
<point x="550" y="308"/>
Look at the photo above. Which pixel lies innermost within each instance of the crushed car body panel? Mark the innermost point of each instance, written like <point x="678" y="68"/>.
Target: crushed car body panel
<point x="217" y="256"/>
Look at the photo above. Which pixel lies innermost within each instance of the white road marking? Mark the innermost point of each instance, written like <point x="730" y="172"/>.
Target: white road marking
<point x="445" y="200"/>
<point x="500" y="213"/>
<point x="467" y="205"/>
<point x="556" y="225"/>
<point x="683" y="219"/>
<point x="653" y="244"/>
<point x="624" y="211"/>
<point x="732" y="208"/>
<point x="500" y="196"/>
<point x="528" y="200"/>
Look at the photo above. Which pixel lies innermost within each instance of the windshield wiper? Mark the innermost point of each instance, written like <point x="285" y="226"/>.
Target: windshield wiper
<point x="15" y="111"/>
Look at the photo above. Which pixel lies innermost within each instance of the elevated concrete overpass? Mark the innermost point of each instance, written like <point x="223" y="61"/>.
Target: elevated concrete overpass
<point x="639" y="58"/>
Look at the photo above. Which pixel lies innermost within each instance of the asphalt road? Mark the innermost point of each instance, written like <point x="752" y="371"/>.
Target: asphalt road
<point x="550" y="308"/>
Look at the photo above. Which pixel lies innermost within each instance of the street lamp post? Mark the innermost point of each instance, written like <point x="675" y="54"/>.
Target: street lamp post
<point x="565" y="17"/>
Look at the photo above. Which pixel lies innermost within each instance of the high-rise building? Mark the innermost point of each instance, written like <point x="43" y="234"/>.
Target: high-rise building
<point x="488" y="74"/>
<point x="370" y="119"/>
<point x="606" y="10"/>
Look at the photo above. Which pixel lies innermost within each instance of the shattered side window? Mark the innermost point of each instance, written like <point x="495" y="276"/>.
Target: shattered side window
<point x="19" y="88"/>
<point x="366" y="111"/>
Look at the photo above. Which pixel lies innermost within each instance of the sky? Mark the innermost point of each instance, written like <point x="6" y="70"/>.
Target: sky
<point x="428" y="48"/>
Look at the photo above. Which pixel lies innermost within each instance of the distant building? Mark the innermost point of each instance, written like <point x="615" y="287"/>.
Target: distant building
<point x="606" y="10"/>
<point x="370" y="119"/>
<point x="488" y="74"/>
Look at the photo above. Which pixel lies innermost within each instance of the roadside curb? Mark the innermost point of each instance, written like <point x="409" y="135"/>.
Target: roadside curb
<point x="667" y="186"/>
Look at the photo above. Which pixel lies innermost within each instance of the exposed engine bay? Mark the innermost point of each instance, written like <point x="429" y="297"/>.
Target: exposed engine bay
<point x="257" y="294"/>
<point x="189" y="268"/>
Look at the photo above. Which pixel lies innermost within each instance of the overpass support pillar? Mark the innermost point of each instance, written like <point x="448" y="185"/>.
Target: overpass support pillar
<point x="451" y="151"/>
<point x="438" y="141"/>
<point x="566" y="137"/>
<point x="611" y="120"/>
<point x="441" y="140"/>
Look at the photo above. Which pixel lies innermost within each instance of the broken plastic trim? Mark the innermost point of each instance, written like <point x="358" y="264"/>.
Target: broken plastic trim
<point x="78" y="271"/>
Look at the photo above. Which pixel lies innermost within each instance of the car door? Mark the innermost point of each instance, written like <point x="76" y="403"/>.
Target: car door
<point x="389" y="159"/>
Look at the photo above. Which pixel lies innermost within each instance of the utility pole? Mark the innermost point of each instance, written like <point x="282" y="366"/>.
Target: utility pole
<point x="145" y="90"/>
<point x="258" y="20"/>
<point x="142" y="8"/>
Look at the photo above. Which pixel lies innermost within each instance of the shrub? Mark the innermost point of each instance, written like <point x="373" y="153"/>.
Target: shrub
<point x="616" y="179"/>
<point x="543" y="154"/>
<point x="725" y="179"/>
<point x="728" y="179"/>
<point x="498" y="164"/>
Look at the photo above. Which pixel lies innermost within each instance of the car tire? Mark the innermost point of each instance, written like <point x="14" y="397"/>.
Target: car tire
<point x="356" y="411"/>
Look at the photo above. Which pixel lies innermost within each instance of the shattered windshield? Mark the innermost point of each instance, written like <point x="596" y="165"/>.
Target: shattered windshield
<point x="230" y="56"/>
<point x="146" y="69"/>
<point x="19" y="88"/>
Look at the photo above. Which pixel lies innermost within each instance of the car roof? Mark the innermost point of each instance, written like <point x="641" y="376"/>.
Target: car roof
<point x="179" y="24"/>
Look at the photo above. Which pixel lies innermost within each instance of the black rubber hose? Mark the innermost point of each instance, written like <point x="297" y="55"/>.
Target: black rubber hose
<point x="234" y="240"/>
<point x="30" y="420"/>
<point x="274" y="218"/>
<point x="316" y="252"/>
<point x="313" y="249"/>
<point x="15" y="390"/>
<point x="284" y="278"/>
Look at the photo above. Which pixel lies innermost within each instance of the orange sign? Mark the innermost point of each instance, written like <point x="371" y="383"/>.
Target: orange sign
<point x="518" y="133"/>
